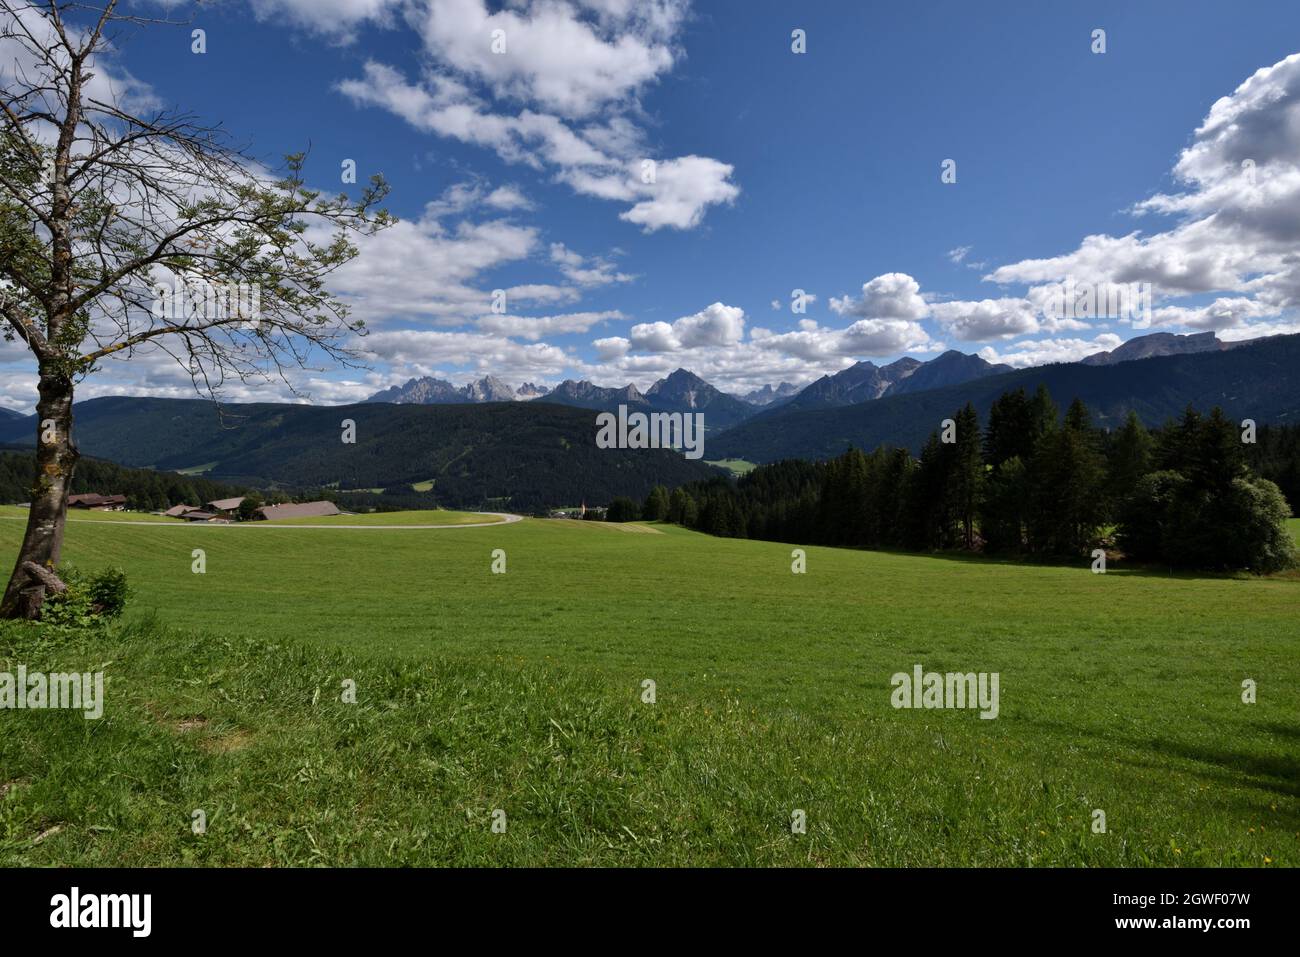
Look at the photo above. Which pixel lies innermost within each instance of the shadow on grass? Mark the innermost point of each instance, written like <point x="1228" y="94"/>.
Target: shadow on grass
<point x="1253" y="774"/>
<point x="1114" y="566"/>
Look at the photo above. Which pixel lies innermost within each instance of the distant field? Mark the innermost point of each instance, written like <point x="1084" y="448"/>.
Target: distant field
<point x="521" y="691"/>
<point x="735" y="466"/>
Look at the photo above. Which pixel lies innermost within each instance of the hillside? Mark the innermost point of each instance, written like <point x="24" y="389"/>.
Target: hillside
<point x="1257" y="380"/>
<point x="530" y="454"/>
<point x="144" y="488"/>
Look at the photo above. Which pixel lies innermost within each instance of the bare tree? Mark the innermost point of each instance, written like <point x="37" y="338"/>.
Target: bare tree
<point x="138" y="231"/>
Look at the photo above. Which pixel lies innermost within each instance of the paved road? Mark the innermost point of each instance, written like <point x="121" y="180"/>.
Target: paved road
<point x="505" y="519"/>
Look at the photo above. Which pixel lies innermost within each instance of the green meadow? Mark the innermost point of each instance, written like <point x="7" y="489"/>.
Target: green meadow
<point x="523" y="692"/>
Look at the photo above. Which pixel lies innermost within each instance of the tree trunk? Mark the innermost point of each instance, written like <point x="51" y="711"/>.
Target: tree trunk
<point x="56" y="458"/>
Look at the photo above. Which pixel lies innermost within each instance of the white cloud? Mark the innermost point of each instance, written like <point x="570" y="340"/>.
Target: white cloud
<point x="1041" y="351"/>
<point x="715" y="325"/>
<point x="558" y="99"/>
<point x="586" y="271"/>
<point x="416" y="352"/>
<point x="551" y="58"/>
<point x="535" y="327"/>
<point x="894" y="295"/>
<point x="337" y="19"/>
<point x="1239" y="214"/>
<point x="987" y="318"/>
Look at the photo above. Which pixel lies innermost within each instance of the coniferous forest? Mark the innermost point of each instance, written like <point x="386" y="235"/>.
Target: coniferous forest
<point x="1030" y="481"/>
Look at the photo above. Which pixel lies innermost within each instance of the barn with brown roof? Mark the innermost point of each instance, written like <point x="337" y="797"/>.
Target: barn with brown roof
<point x="300" y="510"/>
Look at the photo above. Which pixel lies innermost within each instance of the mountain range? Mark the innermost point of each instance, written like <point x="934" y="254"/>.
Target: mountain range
<point x="429" y="391"/>
<point x="1259" y="380"/>
<point x="864" y="381"/>
<point x="542" y="452"/>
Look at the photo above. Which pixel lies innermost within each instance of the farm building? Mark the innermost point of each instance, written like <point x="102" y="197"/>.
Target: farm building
<point x="301" y="510"/>
<point x="176" y="511"/>
<point x="97" y="502"/>
<point x="197" y="515"/>
<point x="226" y="507"/>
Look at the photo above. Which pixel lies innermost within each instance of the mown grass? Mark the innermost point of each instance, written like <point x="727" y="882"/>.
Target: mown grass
<point x="476" y="691"/>
<point x="422" y="517"/>
<point x="14" y="513"/>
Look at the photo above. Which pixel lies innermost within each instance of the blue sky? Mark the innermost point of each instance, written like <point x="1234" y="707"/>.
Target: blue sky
<point x="776" y="171"/>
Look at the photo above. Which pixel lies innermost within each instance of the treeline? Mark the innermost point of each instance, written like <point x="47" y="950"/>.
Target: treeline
<point x="145" y="489"/>
<point x="1028" y="482"/>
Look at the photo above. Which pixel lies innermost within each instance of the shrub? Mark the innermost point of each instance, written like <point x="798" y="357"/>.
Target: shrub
<point x="108" y="590"/>
<point x="90" y="601"/>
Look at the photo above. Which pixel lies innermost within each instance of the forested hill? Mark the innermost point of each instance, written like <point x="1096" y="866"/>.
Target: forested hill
<point x="1259" y="380"/>
<point x="531" y="455"/>
<point x="144" y="489"/>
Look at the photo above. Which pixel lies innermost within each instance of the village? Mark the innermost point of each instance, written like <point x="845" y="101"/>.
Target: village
<point x="223" y="510"/>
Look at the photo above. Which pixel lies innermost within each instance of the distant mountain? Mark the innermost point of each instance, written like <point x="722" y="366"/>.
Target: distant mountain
<point x="584" y="395"/>
<point x="429" y="391"/>
<point x="951" y="368"/>
<point x="1158" y="344"/>
<point x="860" y="382"/>
<point x="533" y="454"/>
<point x="682" y="391"/>
<point x="686" y="392"/>
<point x="490" y="389"/>
<point x="767" y="395"/>
<point x="8" y="414"/>
<point x="866" y="382"/>
<point x="1259" y="380"/>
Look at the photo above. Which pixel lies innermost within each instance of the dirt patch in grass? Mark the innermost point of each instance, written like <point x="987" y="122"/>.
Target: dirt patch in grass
<point x="236" y="740"/>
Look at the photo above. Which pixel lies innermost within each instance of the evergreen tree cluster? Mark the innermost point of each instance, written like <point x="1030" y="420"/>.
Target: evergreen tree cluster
<point x="1029" y="482"/>
<point x="145" y="489"/>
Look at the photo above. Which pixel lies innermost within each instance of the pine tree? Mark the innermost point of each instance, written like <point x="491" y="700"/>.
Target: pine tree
<point x="656" y="505"/>
<point x="1130" y="459"/>
<point x="965" y="479"/>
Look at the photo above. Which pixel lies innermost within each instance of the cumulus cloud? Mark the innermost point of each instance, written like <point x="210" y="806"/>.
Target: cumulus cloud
<point x="416" y="352"/>
<point x="864" y="338"/>
<point x="559" y="99"/>
<point x="715" y="325"/>
<point x="543" y="53"/>
<point x="894" y="295"/>
<point x="987" y="318"/>
<point x="1238" y="217"/>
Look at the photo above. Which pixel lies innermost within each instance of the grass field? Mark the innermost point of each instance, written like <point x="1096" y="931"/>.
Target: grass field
<point x="522" y="692"/>
<point x="12" y="513"/>
<point x="424" y="517"/>
<point x="735" y="466"/>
